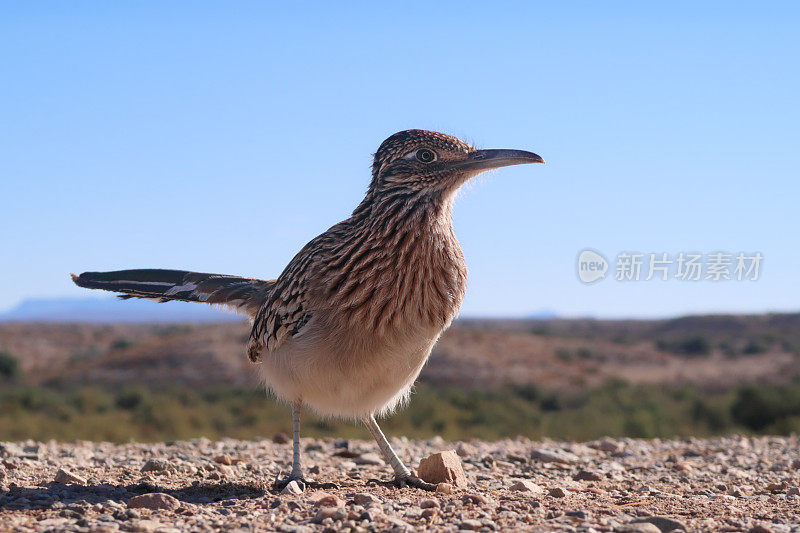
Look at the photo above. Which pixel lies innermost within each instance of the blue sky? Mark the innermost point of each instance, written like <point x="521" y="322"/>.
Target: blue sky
<point x="221" y="137"/>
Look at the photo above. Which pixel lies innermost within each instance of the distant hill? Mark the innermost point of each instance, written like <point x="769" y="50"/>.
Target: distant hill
<point x="105" y="310"/>
<point x="713" y="352"/>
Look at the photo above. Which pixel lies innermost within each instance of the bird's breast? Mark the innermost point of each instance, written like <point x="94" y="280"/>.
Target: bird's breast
<point x="406" y="281"/>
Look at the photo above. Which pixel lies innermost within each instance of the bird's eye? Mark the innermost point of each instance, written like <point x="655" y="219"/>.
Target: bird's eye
<point x="426" y="156"/>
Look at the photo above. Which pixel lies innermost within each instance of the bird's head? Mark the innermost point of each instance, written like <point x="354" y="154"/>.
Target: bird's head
<point x="419" y="160"/>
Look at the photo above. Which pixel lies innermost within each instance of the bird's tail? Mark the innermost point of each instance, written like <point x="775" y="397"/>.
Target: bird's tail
<point x="242" y="295"/>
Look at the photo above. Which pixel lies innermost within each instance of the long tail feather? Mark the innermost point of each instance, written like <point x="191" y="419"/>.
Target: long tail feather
<point x="242" y="295"/>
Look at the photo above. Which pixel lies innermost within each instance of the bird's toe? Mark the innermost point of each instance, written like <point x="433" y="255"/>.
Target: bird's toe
<point x="414" y="481"/>
<point x="402" y="482"/>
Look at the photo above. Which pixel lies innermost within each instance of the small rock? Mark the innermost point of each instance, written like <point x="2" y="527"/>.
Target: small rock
<point x="291" y="528"/>
<point x="796" y="464"/>
<point x="470" y="525"/>
<point x="281" y="438"/>
<point x="154" y="500"/>
<point x="465" y="450"/>
<point x="225" y="470"/>
<point x="776" y="486"/>
<point x="323" y="513"/>
<point x="475" y="499"/>
<point x="443" y="467"/>
<point x="607" y="444"/>
<point x="554" y="456"/>
<point x="292" y="488"/>
<point x="324" y="499"/>
<point x="642" y="527"/>
<point x="224" y="459"/>
<point x="347" y="453"/>
<point x="65" y="476"/>
<point x="444" y="488"/>
<point x="587" y="475"/>
<point x="526" y="485"/>
<point x="429" y="503"/>
<point x="580" y="515"/>
<point x="662" y="522"/>
<point x="793" y="491"/>
<point x="760" y="528"/>
<point x="557" y="492"/>
<point x="368" y="459"/>
<point x="365" y="499"/>
<point x="429" y="513"/>
<point x="157" y="465"/>
<point x="403" y="525"/>
<point x="370" y="515"/>
<point x="144" y="526"/>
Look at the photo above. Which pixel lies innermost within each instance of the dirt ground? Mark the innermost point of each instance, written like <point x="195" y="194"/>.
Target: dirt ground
<point x="723" y="484"/>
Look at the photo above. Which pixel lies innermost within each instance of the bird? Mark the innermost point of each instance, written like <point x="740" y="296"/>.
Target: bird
<point x="347" y="326"/>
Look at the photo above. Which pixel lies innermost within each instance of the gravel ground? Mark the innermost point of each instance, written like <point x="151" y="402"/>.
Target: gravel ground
<point x="724" y="484"/>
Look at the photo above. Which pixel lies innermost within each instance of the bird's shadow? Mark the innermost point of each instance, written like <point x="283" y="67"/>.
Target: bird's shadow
<point x="45" y="497"/>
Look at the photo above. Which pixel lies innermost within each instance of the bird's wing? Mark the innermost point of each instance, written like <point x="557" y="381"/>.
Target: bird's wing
<point x="285" y="312"/>
<point x="242" y="295"/>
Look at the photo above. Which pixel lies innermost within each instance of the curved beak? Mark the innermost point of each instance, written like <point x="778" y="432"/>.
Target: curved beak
<point x="489" y="159"/>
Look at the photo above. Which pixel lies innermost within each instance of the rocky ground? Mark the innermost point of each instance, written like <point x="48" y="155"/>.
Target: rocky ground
<point x="723" y="484"/>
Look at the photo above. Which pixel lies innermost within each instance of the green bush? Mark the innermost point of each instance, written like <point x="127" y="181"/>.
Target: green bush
<point x="121" y="343"/>
<point x="760" y="407"/>
<point x="615" y="408"/>
<point x="129" y="399"/>
<point x="9" y="366"/>
<point x="693" y="346"/>
<point x="754" y="346"/>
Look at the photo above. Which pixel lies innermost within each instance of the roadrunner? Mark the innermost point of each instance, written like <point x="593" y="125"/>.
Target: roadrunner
<point x="348" y="325"/>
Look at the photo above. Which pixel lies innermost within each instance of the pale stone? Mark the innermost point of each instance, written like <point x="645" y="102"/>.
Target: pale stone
<point x="443" y="467"/>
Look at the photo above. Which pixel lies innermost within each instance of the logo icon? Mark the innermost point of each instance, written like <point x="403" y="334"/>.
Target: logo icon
<point x="592" y="266"/>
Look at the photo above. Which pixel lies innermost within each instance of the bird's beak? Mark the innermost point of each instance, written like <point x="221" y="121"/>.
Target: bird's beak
<point x="489" y="159"/>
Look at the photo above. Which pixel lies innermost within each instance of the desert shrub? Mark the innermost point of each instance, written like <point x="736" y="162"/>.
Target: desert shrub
<point x="755" y="346"/>
<point x="529" y="392"/>
<point x="615" y="408"/>
<point x="129" y="399"/>
<point x="713" y="415"/>
<point x="9" y="366"/>
<point x="695" y="345"/>
<point x="91" y="400"/>
<point x="121" y="343"/>
<point x="550" y="402"/>
<point x="758" y="407"/>
<point x="585" y="352"/>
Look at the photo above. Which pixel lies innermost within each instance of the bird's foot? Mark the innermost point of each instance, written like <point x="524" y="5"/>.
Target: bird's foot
<point x="302" y="482"/>
<point x="402" y="482"/>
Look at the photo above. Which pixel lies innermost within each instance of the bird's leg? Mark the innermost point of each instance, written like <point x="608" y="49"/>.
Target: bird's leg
<point x="297" y="470"/>
<point x="402" y="475"/>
